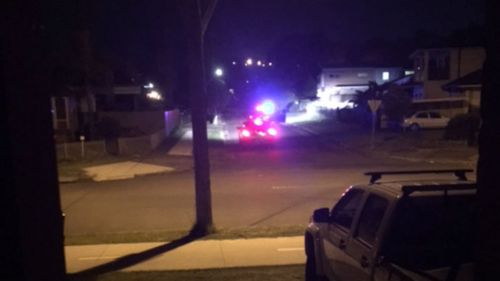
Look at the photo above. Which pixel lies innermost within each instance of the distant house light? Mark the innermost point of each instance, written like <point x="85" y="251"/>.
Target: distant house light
<point x="154" y="95"/>
<point x="385" y="75"/>
<point x="409" y="72"/>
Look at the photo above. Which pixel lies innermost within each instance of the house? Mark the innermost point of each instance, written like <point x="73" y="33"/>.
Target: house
<point x="70" y="110"/>
<point x="468" y="87"/>
<point x="439" y="66"/>
<point x="338" y="85"/>
<point x="120" y="98"/>
<point x="77" y="109"/>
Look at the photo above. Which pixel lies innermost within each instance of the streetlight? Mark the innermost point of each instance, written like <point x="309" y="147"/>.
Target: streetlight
<point x="218" y="72"/>
<point x="249" y="61"/>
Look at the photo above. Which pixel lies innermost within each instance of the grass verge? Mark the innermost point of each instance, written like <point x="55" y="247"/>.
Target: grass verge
<point x="268" y="273"/>
<point x="163" y="236"/>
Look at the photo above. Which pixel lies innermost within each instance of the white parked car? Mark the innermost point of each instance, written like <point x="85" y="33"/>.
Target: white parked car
<point x="425" y="120"/>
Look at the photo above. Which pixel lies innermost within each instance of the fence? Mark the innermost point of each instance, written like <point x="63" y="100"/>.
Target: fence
<point x="74" y="150"/>
<point x="125" y="145"/>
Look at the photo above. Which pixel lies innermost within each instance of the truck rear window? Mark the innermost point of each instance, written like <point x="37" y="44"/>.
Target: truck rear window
<point x="432" y="232"/>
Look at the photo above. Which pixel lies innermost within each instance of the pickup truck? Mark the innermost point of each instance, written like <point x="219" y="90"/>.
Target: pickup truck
<point x="399" y="230"/>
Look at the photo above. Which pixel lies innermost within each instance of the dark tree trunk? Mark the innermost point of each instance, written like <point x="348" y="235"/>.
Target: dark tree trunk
<point x="31" y="223"/>
<point x="488" y="242"/>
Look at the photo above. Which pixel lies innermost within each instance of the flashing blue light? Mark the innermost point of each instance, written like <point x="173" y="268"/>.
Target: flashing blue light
<point x="267" y="107"/>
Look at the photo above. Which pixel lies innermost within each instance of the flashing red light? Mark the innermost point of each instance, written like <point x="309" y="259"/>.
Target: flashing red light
<point x="272" y="131"/>
<point x="245" y="133"/>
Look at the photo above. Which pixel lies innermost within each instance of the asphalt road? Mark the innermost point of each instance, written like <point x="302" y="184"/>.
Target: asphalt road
<point x="251" y="186"/>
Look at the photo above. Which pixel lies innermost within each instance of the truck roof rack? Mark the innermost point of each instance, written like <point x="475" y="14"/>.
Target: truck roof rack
<point x="408" y="189"/>
<point x="459" y="173"/>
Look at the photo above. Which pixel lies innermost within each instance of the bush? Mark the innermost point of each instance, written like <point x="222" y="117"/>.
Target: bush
<point x="396" y="104"/>
<point x="347" y="115"/>
<point x="463" y="127"/>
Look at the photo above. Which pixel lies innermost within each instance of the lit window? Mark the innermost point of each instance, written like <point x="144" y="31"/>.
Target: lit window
<point x="385" y="75"/>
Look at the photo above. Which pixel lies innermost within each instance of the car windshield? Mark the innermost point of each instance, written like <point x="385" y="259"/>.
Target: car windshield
<point x="410" y="114"/>
<point x="432" y="232"/>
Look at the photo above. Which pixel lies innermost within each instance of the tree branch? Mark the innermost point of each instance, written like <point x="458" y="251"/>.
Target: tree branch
<point x="207" y="15"/>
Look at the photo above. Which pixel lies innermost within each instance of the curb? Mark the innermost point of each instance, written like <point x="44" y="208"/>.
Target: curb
<point x="68" y="179"/>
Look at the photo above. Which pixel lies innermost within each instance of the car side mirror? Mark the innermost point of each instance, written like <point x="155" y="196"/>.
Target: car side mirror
<point x="321" y="215"/>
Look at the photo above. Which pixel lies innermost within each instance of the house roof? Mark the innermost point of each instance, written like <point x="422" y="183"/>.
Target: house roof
<point x="353" y="85"/>
<point x="350" y="66"/>
<point x="471" y="80"/>
<point x="405" y="81"/>
<point x="443" y="48"/>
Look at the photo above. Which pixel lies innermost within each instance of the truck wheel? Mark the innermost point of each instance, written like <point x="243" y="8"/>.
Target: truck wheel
<point x="310" y="272"/>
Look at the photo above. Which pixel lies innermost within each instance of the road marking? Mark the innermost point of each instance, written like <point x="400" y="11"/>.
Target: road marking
<point x="290" y="249"/>
<point x="98" y="258"/>
<point x="276" y="187"/>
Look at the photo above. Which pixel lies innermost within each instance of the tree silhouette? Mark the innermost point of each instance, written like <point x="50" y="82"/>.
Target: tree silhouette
<point x="196" y="15"/>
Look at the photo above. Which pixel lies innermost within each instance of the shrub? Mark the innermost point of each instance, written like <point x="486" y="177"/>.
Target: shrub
<point x="396" y="104"/>
<point x="463" y="127"/>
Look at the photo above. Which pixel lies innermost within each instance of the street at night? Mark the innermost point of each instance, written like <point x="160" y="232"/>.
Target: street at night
<point x="315" y="140"/>
<point x="256" y="185"/>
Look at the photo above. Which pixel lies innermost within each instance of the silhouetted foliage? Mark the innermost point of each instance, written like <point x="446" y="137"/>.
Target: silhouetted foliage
<point x="108" y="128"/>
<point x="463" y="127"/>
<point x="396" y="103"/>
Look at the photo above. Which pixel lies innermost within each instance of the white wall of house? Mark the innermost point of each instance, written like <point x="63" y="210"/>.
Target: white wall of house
<point x="472" y="94"/>
<point x="456" y="61"/>
<point x="338" y="85"/>
<point x="474" y="98"/>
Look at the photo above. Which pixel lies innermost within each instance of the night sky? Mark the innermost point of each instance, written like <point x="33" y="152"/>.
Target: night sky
<point x="149" y="35"/>
<point x="253" y="26"/>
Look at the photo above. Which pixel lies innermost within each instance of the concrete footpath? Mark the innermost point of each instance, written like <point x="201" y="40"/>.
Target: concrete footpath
<point x="200" y="254"/>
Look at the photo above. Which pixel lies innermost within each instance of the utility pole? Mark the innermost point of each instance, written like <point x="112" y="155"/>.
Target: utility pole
<point x="196" y="18"/>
